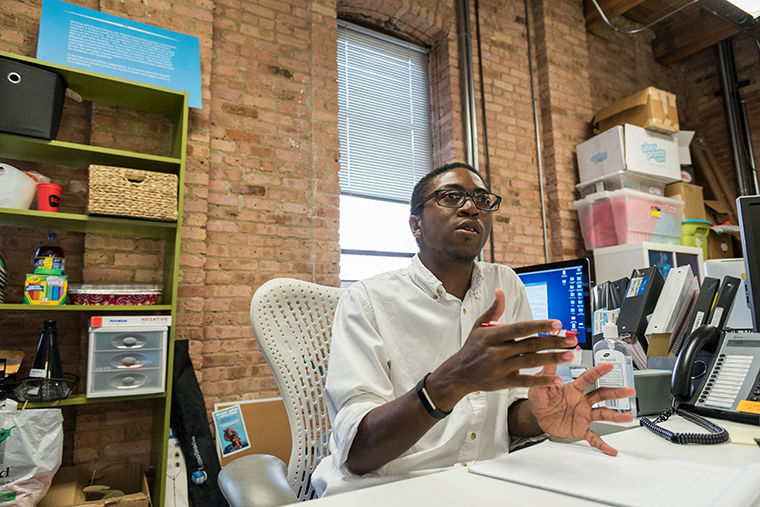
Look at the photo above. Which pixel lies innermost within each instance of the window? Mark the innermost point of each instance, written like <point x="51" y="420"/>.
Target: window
<point x="385" y="147"/>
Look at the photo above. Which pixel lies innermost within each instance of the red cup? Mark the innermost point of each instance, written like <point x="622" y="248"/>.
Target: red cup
<point x="48" y="196"/>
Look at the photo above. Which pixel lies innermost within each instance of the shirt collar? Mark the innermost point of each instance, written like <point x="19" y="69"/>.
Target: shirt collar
<point x="427" y="281"/>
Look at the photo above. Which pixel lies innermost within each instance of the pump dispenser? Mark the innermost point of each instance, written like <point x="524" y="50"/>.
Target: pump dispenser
<point x="611" y="349"/>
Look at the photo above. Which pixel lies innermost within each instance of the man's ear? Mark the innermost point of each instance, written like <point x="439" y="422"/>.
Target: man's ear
<point x="415" y="224"/>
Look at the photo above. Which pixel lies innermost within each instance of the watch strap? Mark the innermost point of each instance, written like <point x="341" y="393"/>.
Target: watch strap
<point x="427" y="402"/>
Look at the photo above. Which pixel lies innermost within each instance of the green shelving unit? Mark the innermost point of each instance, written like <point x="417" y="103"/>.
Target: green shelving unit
<point x="112" y="91"/>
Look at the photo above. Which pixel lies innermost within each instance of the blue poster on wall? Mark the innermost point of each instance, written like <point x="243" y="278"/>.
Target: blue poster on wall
<point x="86" y="39"/>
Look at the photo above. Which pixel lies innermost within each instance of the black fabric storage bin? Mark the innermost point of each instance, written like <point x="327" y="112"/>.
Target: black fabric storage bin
<point x="31" y="99"/>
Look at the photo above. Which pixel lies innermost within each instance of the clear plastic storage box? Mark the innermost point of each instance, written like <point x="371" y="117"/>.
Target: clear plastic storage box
<point x="628" y="216"/>
<point x="623" y="179"/>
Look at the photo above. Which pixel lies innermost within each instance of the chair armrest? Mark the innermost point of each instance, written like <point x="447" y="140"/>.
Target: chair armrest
<point x="256" y="480"/>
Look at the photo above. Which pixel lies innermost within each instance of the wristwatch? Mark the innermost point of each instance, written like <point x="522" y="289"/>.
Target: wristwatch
<point x="427" y="402"/>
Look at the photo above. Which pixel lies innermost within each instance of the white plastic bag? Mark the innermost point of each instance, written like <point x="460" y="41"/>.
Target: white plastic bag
<point x="31" y="444"/>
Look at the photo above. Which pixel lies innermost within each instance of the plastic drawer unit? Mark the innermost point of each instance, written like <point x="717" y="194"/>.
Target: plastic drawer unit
<point x="126" y="361"/>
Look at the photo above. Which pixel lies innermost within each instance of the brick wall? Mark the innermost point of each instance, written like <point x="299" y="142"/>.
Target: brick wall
<point x="261" y="193"/>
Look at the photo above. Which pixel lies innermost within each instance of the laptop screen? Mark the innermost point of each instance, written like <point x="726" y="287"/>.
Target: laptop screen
<point x="561" y="290"/>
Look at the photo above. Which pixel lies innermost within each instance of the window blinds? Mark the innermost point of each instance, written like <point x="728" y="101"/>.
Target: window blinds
<point x="383" y="114"/>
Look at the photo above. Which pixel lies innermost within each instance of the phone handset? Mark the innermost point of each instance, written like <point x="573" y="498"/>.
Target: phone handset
<point x="682" y="388"/>
<point x="681" y="385"/>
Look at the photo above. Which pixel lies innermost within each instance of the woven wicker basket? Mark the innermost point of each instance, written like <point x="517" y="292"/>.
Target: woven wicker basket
<point x="132" y="193"/>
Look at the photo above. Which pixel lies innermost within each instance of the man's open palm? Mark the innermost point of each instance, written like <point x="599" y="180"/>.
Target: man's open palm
<point x="564" y="411"/>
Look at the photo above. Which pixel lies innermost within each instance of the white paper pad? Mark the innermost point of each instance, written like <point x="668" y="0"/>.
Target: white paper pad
<point x="626" y="479"/>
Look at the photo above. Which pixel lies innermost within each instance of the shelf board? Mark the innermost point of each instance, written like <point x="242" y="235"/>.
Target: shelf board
<point x="64" y="153"/>
<point x="85" y="308"/>
<point x="85" y="223"/>
<point x="81" y="399"/>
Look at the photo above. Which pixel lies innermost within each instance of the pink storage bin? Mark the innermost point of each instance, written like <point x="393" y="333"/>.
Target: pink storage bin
<point x="628" y="216"/>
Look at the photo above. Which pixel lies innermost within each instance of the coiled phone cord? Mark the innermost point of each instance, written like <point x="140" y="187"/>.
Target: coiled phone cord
<point x="717" y="434"/>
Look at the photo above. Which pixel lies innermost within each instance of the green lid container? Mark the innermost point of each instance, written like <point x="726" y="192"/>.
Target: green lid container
<point x="694" y="233"/>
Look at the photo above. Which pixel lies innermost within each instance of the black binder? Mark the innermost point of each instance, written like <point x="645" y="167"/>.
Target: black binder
<point x="699" y="313"/>
<point x="724" y="302"/>
<point x="639" y="302"/>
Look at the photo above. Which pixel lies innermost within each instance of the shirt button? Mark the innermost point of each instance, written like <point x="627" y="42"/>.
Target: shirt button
<point x="463" y="464"/>
<point x="439" y="291"/>
<point x="464" y="310"/>
<point x="473" y="436"/>
<point x="476" y="392"/>
<point x="435" y="296"/>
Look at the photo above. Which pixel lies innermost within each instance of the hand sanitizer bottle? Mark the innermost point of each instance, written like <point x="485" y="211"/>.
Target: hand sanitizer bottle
<point x="610" y="349"/>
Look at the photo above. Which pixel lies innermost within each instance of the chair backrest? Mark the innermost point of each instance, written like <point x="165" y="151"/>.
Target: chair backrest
<point x="292" y="322"/>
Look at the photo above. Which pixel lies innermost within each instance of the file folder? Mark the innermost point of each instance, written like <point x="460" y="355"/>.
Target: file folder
<point x="609" y="295"/>
<point x="639" y="302"/>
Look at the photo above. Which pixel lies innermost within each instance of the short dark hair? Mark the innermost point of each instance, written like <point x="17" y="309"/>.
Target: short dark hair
<point x="422" y="190"/>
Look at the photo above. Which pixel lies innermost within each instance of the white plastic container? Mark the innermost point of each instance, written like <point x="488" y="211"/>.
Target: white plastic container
<point x="612" y="350"/>
<point x="17" y="190"/>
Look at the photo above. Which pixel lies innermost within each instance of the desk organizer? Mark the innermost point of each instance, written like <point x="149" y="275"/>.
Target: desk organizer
<point x="126" y="361"/>
<point x="136" y="193"/>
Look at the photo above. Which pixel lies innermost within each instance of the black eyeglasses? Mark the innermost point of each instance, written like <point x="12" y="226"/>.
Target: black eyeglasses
<point x="484" y="201"/>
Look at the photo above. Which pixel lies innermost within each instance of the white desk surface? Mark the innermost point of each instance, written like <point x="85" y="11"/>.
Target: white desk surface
<point x="458" y="487"/>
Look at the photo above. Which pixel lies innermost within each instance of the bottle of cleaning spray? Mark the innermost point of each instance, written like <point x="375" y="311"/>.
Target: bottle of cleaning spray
<point x="610" y="349"/>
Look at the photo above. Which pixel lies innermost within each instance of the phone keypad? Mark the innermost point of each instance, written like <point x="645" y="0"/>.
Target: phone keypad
<point x="725" y="381"/>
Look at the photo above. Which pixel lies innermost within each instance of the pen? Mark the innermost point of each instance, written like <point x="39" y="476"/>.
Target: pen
<point x="562" y="333"/>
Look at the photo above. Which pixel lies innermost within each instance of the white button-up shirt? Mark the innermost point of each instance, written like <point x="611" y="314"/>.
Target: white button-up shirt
<point x="389" y="331"/>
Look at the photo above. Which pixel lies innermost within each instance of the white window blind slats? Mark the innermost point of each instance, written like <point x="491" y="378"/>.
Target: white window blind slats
<point x="383" y="115"/>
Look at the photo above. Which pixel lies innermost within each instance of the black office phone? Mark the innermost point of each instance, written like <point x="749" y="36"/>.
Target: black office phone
<point x="717" y="374"/>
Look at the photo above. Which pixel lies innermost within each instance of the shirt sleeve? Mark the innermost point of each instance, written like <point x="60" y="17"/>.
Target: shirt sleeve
<point x="358" y="370"/>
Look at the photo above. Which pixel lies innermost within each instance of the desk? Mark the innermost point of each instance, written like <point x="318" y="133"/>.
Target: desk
<point x="458" y="487"/>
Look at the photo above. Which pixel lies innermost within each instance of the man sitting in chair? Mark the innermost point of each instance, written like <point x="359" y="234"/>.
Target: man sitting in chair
<point x="425" y="362"/>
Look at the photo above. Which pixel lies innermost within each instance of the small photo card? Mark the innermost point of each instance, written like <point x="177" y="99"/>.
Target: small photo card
<point x="230" y="430"/>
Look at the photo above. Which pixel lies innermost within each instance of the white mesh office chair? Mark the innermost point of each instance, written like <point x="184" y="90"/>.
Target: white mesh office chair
<point x="291" y="321"/>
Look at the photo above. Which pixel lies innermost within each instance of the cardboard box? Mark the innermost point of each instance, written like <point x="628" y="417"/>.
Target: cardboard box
<point x="68" y="486"/>
<point x="691" y="195"/>
<point x="629" y="148"/>
<point x="659" y="344"/>
<point x="722" y="246"/>
<point x="717" y="212"/>
<point x="650" y="108"/>
<point x="684" y="138"/>
<point x="45" y="289"/>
